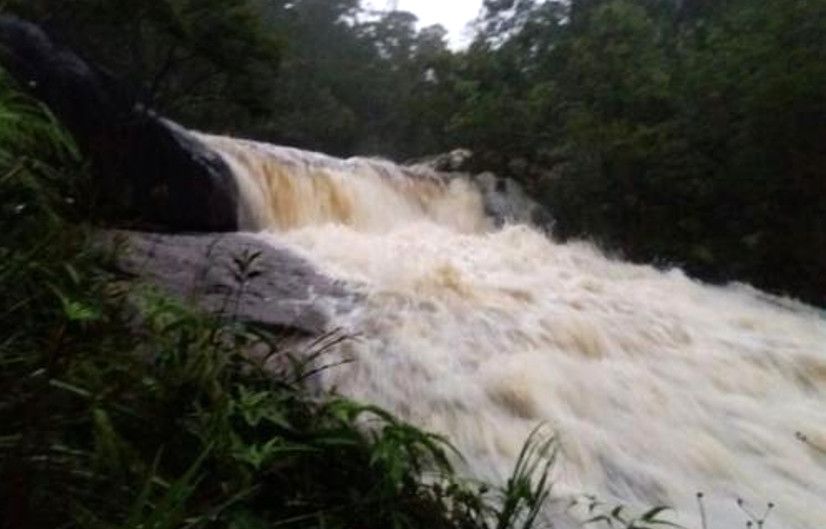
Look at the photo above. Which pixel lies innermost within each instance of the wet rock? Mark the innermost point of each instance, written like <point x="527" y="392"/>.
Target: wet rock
<point x="507" y="202"/>
<point x="505" y="199"/>
<point x="449" y="162"/>
<point x="279" y="290"/>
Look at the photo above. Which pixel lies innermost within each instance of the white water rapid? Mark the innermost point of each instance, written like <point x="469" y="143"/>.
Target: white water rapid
<point x="658" y="386"/>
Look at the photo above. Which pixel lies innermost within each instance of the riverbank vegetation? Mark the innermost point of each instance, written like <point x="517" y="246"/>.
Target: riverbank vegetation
<point x="684" y="133"/>
<point x="123" y="408"/>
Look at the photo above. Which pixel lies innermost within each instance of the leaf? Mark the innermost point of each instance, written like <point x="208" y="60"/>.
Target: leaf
<point x="651" y="514"/>
<point x="80" y="312"/>
<point x="600" y="518"/>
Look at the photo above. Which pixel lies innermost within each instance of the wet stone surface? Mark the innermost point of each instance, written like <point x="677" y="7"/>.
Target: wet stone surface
<point x="281" y="290"/>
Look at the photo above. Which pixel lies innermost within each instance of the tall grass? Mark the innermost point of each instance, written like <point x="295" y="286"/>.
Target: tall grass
<point x="123" y="408"/>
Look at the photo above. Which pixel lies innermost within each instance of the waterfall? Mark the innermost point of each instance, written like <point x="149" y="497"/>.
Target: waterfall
<point x="658" y="386"/>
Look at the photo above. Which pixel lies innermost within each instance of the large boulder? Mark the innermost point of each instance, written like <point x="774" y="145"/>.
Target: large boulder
<point x="150" y="172"/>
<point x="235" y="275"/>
<point x="505" y="199"/>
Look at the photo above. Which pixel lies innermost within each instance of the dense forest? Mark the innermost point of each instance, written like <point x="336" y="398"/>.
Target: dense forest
<point x="679" y="132"/>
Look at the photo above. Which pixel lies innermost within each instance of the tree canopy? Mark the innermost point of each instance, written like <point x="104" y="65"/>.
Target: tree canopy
<point x="677" y="132"/>
<point x="687" y="133"/>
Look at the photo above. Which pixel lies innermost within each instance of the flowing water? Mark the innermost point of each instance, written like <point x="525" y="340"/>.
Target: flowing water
<point x="658" y="386"/>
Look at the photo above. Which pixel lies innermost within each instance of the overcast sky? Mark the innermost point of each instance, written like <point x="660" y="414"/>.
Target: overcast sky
<point x="452" y="14"/>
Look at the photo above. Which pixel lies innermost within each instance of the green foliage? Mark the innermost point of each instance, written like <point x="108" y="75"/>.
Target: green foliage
<point x="682" y="133"/>
<point x="318" y="74"/>
<point x="204" y="62"/>
<point x="600" y="514"/>
<point x="529" y="487"/>
<point x="357" y="82"/>
<point x="123" y="408"/>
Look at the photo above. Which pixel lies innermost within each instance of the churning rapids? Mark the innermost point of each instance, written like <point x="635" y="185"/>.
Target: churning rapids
<point x="658" y="386"/>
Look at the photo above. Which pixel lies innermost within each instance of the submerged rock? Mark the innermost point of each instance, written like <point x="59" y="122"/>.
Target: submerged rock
<point x="455" y="161"/>
<point x="505" y="200"/>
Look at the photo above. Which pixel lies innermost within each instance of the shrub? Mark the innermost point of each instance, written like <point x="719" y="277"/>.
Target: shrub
<point x="123" y="408"/>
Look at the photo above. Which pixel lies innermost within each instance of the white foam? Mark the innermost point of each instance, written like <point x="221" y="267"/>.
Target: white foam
<point x="657" y="385"/>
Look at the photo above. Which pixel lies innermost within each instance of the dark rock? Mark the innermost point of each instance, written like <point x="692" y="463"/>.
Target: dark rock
<point x="454" y="161"/>
<point x="148" y="170"/>
<point x="505" y="199"/>
<point x="507" y="202"/>
<point x="282" y="292"/>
